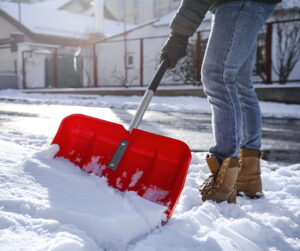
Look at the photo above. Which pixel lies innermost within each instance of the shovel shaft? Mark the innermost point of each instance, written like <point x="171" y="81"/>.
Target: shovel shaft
<point x="148" y="96"/>
<point x="141" y="110"/>
<point x="118" y="155"/>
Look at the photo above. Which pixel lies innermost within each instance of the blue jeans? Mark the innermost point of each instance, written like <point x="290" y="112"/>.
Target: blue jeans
<point x="227" y="76"/>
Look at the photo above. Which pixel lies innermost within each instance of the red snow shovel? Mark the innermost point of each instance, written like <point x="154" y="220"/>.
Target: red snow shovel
<point x="152" y="165"/>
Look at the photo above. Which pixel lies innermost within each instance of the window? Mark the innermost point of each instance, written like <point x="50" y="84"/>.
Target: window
<point x="130" y="60"/>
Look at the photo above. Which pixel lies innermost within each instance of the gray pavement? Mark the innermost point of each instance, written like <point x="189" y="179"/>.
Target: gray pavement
<point x="280" y="142"/>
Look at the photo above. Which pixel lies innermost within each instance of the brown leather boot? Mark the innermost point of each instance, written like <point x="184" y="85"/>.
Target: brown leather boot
<point x="249" y="181"/>
<point x="220" y="186"/>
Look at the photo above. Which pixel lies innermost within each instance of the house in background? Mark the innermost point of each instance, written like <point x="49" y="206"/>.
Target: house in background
<point x="58" y="51"/>
<point x="45" y="31"/>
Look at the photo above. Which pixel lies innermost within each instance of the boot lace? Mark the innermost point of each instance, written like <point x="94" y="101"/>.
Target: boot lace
<point x="207" y="185"/>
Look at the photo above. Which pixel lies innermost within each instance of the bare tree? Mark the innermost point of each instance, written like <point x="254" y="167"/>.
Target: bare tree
<point x="120" y="78"/>
<point x="287" y="49"/>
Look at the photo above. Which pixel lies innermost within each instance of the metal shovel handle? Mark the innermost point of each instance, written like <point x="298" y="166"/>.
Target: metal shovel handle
<point x="148" y="95"/>
<point x="113" y="164"/>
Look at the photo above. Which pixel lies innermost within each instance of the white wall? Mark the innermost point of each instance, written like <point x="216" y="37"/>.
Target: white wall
<point x="8" y="61"/>
<point x="111" y="70"/>
<point x="6" y="28"/>
<point x="7" y="58"/>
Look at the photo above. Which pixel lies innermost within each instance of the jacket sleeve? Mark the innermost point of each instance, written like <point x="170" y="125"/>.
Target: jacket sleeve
<point x="189" y="16"/>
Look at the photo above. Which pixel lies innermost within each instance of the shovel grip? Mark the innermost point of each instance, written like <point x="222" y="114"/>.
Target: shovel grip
<point x="158" y="75"/>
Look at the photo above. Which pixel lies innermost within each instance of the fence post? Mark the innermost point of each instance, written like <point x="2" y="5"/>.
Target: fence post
<point x="198" y="57"/>
<point x="23" y="70"/>
<point x="95" y="60"/>
<point x="55" y="68"/>
<point x="269" y="53"/>
<point x="141" y="62"/>
<point x="125" y="57"/>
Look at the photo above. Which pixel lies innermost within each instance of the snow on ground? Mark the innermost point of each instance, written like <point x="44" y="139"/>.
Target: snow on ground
<point x="50" y="204"/>
<point x="184" y="104"/>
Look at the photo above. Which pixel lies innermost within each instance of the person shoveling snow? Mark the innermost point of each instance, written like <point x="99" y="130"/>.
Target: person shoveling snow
<point x="227" y="78"/>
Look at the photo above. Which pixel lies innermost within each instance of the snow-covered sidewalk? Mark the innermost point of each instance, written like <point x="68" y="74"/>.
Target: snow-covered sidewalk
<point x="50" y="204"/>
<point x="184" y="104"/>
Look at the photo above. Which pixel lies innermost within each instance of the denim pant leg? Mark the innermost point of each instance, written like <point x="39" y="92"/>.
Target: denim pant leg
<point x="251" y="114"/>
<point x="234" y="32"/>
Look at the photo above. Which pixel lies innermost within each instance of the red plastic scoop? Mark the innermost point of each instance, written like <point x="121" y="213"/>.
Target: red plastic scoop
<point x="152" y="165"/>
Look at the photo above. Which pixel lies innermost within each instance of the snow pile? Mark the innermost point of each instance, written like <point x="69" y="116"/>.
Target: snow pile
<point x="271" y="223"/>
<point x="185" y="104"/>
<point x="50" y="204"/>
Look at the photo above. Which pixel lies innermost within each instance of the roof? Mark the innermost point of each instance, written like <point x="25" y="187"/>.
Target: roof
<point x="40" y="19"/>
<point x="52" y="4"/>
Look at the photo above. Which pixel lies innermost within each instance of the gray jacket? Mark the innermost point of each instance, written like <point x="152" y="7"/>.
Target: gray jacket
<point x="191" y="13"/>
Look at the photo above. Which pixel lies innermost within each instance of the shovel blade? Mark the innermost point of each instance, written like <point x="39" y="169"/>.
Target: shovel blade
<point x="154" y="166"/>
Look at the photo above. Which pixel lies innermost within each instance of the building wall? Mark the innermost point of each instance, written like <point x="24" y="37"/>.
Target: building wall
<point x="8" y="61"/>
<point x="7" y="58"/>
<point x="111" y="63"/>
<point x="6" y="28"/>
